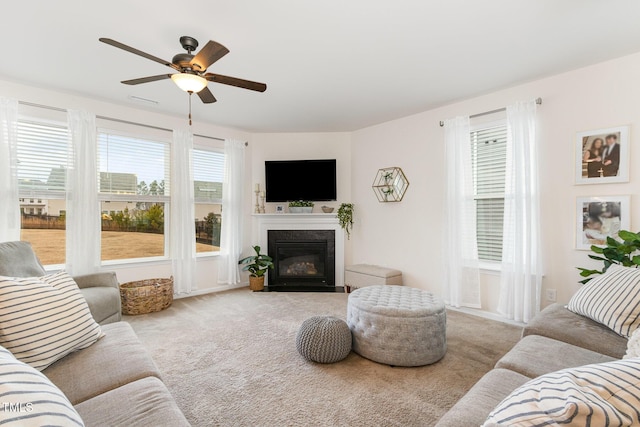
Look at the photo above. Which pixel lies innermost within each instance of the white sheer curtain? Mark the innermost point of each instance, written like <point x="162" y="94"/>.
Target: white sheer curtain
<point x="182" y="237"/>
<point x="462" y="277"/>
<point x="83" y="208"/>
<point x="9" y="201"/>
<point x="232" y="217"/>
<point x="521" y="279"/>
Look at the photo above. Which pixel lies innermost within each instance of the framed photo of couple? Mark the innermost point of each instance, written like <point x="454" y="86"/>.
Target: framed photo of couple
<point x="600" y="217"/>
<point x="602" y="156"/>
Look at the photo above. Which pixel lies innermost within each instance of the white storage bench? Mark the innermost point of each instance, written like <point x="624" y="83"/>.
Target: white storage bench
<point x="361" y="275"/>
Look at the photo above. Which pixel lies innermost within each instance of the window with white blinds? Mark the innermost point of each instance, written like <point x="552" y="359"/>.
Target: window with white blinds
<point x="489" y="154"/>
<point x="133" y="166"/>
<point x="208" y="174"/>
<point x="42" y="159"/>
<point x="134" y="188"/>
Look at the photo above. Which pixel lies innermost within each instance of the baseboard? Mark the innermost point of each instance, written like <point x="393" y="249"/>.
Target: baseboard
<point x="486" y="315"/>
<point x="211" y="290"/>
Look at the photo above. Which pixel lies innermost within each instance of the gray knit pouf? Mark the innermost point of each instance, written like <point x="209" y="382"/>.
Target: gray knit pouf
<point x="324" y="339"/>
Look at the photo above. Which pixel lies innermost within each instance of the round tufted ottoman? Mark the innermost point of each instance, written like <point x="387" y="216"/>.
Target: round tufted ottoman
<point x="397" y="325"/>
<point x="324" y="339"/>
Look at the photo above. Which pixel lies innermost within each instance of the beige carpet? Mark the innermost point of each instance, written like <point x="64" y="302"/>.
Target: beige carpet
<point x="230" y="359"/>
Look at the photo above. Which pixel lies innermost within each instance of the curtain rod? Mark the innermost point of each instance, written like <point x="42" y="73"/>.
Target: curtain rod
<point x="538" y="101"/>
<point x="127" y="122"/>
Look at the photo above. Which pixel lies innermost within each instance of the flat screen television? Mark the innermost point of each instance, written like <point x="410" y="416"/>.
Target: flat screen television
<point x="288" y="180"/>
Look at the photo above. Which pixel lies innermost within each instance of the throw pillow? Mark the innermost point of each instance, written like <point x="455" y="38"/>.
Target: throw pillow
<point x="593" y="395"/>
<point x="612" y="299"/>
<point x="633" y="345"/>
<point x="29" y="398"/>
<point x="44" y="319"/>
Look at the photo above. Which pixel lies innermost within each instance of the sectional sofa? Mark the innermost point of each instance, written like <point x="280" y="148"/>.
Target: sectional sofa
<point x="112" y="382"/>
<point x="555" y="339"/>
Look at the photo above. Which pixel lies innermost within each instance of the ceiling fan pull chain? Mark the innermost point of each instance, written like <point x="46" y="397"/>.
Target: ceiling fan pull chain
<point x="190" y="93"/>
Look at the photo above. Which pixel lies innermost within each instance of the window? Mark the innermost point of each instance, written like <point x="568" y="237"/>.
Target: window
<point x="208" y="173"/>
<point x="42" y="162"/>
<point x="489" y="153"/>
<point x="134" y="195"/>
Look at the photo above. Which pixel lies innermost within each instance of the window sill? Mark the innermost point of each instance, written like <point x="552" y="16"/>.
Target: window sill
<point x="490" y="267"/>
<point x="129" y="262"/>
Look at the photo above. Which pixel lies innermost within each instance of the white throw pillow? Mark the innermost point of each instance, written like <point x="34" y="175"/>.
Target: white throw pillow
<point x="29" y="399"/>
<point x="44" y="319"/>
<point x="612" y="299"/>
<point x="597" y="395"/>
<point x="633" y="345"/>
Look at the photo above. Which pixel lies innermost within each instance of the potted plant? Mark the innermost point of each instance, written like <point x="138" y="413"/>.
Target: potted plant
<point x="257" y="266"/>
<point x="301" y="206"/>
<point x="622" y="253"/>
<point x="345" y="217"/>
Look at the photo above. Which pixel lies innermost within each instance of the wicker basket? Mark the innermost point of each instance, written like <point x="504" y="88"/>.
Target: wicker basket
<point x="146" y="296"/>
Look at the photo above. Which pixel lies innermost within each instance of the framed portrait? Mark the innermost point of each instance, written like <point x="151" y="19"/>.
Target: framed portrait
<point x="600" y="217"/>
<point x="602" y="156"/>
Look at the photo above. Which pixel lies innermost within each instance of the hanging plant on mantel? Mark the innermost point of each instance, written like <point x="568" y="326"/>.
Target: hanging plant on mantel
<point x="345" y="217"/>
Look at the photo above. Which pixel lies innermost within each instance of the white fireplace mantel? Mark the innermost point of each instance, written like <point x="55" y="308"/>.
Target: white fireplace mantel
<point x="312" y="221"/>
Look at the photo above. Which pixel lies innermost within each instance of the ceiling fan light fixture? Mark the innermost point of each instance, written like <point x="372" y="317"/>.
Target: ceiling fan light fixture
<point x="189" y="82"/>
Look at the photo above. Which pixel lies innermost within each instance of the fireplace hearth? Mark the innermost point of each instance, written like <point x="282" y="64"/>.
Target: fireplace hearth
<point x="304" y="260"/>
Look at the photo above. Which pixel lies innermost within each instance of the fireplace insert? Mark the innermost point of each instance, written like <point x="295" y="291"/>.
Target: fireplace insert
<point x="304" y="260"/>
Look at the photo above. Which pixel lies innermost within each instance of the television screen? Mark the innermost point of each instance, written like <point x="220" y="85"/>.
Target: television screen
<point x="288" y="180"/>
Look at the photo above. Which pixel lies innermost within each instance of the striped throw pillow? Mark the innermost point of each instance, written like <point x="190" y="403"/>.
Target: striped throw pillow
<point x="605" y="394"/>
<point x="612" y="299"/>
<point x="44" y="319"/>
<point x="29" y="399"/>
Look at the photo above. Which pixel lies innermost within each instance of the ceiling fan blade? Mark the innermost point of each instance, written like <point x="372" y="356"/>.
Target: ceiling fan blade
<point x="209" y="54"/>
<point x="206" y="96"/>
<point x="138" y="52"/>
<point x="146" y="79"/>
<point x="233" y="81"/>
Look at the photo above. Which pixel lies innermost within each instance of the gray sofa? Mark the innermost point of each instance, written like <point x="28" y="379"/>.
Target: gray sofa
<point x="114" y="382"/>
<point x="555" y="339"/>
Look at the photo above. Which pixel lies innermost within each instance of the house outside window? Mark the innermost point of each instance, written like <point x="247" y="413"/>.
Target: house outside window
<point x="489" y="153"/>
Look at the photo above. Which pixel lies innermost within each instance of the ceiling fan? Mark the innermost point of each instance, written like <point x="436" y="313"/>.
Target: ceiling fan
<point x="191" y="76"/>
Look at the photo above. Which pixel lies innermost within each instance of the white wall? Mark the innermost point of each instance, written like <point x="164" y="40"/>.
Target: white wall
<point x="206" y="267"/>
<point x="408" y="235"/>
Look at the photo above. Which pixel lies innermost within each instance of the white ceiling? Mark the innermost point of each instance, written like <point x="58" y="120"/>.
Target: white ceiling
<point x="331" y="65"/>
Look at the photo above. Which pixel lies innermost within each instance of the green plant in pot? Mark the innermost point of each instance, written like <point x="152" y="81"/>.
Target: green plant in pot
<point x="625" y="253"/>
<point x="301" y="206"/>
<point x="345" y="217"/>
<point x="257" y="266"/>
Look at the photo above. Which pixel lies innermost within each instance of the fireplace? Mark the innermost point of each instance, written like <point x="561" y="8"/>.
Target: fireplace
<point x="304" y="260"/>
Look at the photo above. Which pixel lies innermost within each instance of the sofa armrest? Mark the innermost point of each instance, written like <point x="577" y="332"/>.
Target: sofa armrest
<point x="107" y="278"/>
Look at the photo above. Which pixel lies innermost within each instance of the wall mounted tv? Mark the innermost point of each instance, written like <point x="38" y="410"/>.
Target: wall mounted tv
<point x="288" y="180"/>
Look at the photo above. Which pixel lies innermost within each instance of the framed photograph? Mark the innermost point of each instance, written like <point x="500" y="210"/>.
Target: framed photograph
<point x="279" y="209"/>
<point x="602" y="156"/>
<point x="600" y="217"/>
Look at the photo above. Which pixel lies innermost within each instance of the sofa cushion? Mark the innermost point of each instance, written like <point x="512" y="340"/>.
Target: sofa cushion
<point x="29" y="398"/>
<point x="596" y="395"/>
<point x="145" y="402"/>
<point x="556" y="322"/>
<point x="117" y="359"/>
<point x="612" y="299"/>
<point x="103" y="302"/>
<point x="474" y="406"/>
<point x="17" y="259"/>
<point x="525" y="359"/>
<point x="44" y="319"/>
